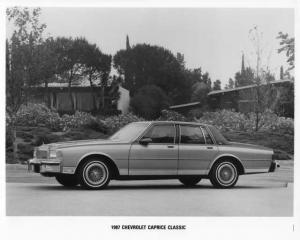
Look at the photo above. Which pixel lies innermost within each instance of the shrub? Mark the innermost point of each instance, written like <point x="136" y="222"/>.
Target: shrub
<point x="114" y="123"/>
<point x="149" y="101"/>
<point x="34" y="114"/>
<point x="227" y="120"/>
<point x="77" y="120"/>
<point x="168" y="115"/>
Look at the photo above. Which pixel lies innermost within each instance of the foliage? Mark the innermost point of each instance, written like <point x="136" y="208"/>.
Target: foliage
<point x="230" y="84"/>
<point x="22" y="56"/>
<point x="37" y="115"/>
<point x="244" y="78"/>
<point x="168" y="115"/>
<point x="230" y="120"/>
<point x="288" y="46"/>
<point x="114" y="123"/>
<point x="149" y="101"/>
<point x="201" y="85"/>
<point x="144" y="64"/>
<point x="217" y="85"/>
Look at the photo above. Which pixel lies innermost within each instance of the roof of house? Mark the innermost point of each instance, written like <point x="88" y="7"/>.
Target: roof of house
<point x="184" y="105"/>
<point x="246" y="87"/>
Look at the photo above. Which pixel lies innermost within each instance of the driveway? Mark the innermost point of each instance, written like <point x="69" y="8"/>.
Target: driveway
<point x="268" y="194"/>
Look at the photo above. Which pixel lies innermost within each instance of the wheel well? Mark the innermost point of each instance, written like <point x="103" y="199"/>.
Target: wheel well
<point x="234" y="160"/>
<point x="112" y="166"/>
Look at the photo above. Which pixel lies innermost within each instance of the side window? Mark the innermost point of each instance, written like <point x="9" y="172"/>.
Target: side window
<point x="191" y="135"/>
<point x="207" y="136"/>
<point x="161" y="134"/>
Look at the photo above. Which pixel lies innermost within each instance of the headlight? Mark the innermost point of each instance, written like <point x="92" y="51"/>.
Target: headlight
<point x="52" y="154"/>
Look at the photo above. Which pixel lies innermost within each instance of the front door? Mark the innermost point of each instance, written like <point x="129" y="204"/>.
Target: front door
<point x="159" y="156"/>
<point x="196" y="150"/>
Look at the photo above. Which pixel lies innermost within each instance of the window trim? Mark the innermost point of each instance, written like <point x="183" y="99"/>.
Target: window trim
<point x="191" y="125"/>
<point x="159" y="124"/>
<point x="209" y="133"/>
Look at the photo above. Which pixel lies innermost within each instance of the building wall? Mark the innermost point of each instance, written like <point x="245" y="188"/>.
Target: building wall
<point x="124" y="100"/>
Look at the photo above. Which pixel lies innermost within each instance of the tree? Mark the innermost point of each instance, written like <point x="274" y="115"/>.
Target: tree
<point x="217" y="85"/>
<point x="201" y="86"/>
<point x="281" y="73"/>
<point x="288" y="46"/>
<point x="97" y="66"/>
<point x="22" y="66"/>
<point x="144" y="64"/>
<point x="244" y="78"/>
<point x="262" y="94"/>
<point x="149" y="101"/>
<point x="230" y="84"/>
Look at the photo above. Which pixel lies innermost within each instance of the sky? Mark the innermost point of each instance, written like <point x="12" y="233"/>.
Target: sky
<point x="211" y="38"/>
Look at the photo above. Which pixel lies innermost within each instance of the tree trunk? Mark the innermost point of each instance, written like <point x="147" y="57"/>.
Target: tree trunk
<point x="103" y="97"/>
<point x="15" y="144"/>
<point x="71" y="97"/>
<point x="93" y="93"/>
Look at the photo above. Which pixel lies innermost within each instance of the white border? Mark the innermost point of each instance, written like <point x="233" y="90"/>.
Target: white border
<point x="99" y="227"/>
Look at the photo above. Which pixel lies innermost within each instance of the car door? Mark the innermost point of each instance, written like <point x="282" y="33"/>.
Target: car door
<point x="158" y="157"/>
<point x="196" y="150"/>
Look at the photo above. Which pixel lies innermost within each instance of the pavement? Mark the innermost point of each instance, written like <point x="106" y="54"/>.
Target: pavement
<point x="270" y="194"/>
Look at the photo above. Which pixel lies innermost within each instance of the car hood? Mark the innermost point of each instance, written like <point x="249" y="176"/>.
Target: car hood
<point x="81" y="143"/>
<point x="250" y="146"/>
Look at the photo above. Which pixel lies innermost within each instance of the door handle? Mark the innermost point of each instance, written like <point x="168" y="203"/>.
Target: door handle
<point x="170" y="146"/>
<point x="209" y="148"/>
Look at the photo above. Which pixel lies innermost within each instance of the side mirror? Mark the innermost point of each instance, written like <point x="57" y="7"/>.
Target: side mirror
<point x="145" y="141"/>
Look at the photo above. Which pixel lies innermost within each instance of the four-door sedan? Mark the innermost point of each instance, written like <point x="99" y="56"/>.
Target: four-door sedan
<point x="153" y="150"/>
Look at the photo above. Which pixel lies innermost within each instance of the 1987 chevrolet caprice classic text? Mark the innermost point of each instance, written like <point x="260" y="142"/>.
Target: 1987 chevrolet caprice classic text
<point x="153" y="150"/>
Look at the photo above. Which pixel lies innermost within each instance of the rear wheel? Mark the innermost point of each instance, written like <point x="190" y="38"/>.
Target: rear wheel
<point x="67" y="180"/>
<point x="224" y="174"/>
<point x="94" y="174"/>
<point x="189" y="181"/>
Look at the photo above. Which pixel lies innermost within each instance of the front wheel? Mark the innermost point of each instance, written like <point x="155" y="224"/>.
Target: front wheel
<point x="67" y="180"/>
<point x="94" y="174"/>
<point x="189" y="181"/>
<point x="224" y="174"/>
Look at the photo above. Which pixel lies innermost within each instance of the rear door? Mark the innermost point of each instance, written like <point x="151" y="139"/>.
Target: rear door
<point x="196" y="150"/>
<point x="160" y="156"/>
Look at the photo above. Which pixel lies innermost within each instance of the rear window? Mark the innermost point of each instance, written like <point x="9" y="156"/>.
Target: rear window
<point x="220" y="139"/>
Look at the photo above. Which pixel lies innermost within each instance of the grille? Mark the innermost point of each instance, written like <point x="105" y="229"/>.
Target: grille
<point x="41" y="154"/>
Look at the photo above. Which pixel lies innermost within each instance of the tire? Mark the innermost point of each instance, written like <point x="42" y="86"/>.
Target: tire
<point x="94" y="174"/>
<point x="189" y="181"/>
<point x="67" y="180"/>
<point x="224" y="174"/>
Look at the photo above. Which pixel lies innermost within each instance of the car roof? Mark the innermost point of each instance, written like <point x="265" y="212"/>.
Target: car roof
<point x="176" y="122"/>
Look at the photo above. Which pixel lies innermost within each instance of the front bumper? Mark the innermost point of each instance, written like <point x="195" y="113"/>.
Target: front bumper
<point x="43" y="166"/>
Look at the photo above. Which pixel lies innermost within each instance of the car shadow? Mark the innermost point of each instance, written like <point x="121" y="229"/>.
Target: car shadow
<point x="150" y="187"/>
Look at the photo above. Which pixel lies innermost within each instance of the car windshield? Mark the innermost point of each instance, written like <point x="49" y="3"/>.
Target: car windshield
<point x="129" y="132"/>
<point x="218" y="136"/>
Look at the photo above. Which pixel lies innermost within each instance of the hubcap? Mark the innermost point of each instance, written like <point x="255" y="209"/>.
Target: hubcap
<point x="226" y="173"/>
<point x="95" y="174"/>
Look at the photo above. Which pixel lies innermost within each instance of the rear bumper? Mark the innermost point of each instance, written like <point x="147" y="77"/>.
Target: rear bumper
<point x="43" y="166"/>
<point x="273" y="166"/>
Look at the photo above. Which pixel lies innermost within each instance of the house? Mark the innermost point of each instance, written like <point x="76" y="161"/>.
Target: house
<point x="242" y="99"/>
<point x="185" y="108"/>
<point x="84" y="97"/>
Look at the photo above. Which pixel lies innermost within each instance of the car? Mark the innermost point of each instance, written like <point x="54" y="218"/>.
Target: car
<point x="148" y="150"/>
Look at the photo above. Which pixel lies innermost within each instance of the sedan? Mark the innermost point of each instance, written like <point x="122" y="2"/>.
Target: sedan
<point x="185" y="151"/>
